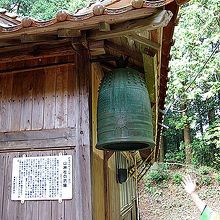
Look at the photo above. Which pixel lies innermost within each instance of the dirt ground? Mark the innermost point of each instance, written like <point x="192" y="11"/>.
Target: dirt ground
<point x="170" y="201"/>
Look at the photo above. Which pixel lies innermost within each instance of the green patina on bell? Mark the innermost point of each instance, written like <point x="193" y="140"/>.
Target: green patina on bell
<point x="124" y="112"/>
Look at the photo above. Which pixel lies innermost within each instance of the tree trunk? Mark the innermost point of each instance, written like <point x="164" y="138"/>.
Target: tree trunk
<point x="186" y="137"/>
<point x="200" y="119"/>
<point x="211" y="116"/>
<point x="187" y="141"/>
<point x="161" y="149"/>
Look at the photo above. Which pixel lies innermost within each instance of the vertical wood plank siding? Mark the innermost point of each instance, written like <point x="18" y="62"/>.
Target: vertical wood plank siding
<point x="50" y="98"/>
<point x="38" y="99"/>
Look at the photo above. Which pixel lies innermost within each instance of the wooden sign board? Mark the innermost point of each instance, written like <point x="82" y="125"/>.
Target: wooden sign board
<point x="42" y="178"/>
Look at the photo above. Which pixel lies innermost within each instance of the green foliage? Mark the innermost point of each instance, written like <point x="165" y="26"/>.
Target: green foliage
<point x="204" y="170"/>
<point x="206" y="151"/>
<point x="194" y="84"/>
<point x="157" y="175"/>
<point x="42" y="9"/>
<point x="206" y="180"/>
<point x="177" y="178"/>
<point x="218" y="179"/>
<point x="202" y="153"/>
<point x="176" y="156"/>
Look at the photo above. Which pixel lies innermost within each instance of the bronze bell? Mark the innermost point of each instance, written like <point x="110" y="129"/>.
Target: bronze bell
<point x="124" y="112"/>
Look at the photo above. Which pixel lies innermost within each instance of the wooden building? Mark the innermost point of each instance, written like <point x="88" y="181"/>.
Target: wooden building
<point x="50" y="73"/>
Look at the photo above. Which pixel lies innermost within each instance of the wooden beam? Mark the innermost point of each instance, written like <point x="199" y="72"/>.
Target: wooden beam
<point x="51" y="144"/>
<point x="31" y="38"/>
<point x="37" y="135"/>
<point x="151" y="76"/>
<point x="150" y="68"/>
<point x="103" y="59"/>
<point x="39" y="139"/>
<point x="97" y="52"/>
<point x="143" y="172"/>
<point x="135" y="55"/>
<point x="107" y="67"/>
<point x="96" y="44"/>
<point x="145" y="41"/>
<point x="96" y="48"/>
<point x="9" y="42"/>
<point x="153" y="22"/>
<point x="67" y="32"/>
<point x="29" y="69"/>
<point x="33" y="51"/>
<point x="17" y="46"/>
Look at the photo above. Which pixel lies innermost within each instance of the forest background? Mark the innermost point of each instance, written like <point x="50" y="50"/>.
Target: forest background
<point x="191" y="134"/>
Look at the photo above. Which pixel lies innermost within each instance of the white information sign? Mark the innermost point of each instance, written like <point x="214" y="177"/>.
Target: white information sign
<point x="42" y="178"/>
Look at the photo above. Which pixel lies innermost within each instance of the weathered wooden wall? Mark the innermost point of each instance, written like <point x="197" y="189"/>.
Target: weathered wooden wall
<point x="39" y="99"/>
<point x="50" y="98"/>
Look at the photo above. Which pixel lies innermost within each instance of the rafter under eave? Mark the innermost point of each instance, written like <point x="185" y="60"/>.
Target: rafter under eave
<point x="161" y="19"/>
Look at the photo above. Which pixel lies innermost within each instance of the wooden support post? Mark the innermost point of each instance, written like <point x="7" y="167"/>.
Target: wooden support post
<point x="107" y="155"/>
<point x="151" y="76"/>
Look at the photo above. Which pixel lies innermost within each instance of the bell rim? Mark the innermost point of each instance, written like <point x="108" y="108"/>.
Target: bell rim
<point x="119" y="146"/>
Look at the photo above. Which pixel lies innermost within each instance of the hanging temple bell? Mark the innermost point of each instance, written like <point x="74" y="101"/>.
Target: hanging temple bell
<point x="124" y="112"/>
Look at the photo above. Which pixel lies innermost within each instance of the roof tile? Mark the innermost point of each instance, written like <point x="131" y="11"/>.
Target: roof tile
<point x="11" y="22"/>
